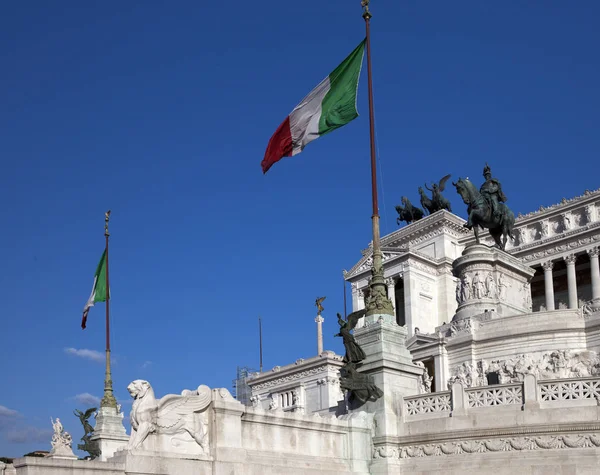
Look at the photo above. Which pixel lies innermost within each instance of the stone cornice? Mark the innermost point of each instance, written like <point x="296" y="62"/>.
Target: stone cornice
<point x="442" y="220"/>
<point x="328" y="360"/>
<point x="548" y="224"/>
<point x="398" y="243"/>
<point x="534" y="429"/>
<point x="564" y="205"/>
<point x="409" y="260"/>
<point x="364" y="264"/>
<point x="556" y="247"/>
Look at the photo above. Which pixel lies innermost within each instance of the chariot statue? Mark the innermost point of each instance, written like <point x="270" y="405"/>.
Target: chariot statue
<point x="408" y="213"/>
<point x="437" y="201"/>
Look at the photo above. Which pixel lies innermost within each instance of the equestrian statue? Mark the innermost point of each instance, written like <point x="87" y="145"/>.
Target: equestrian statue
<point x="486" y="208"/>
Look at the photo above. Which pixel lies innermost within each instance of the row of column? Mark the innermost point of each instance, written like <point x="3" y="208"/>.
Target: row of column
<point x="572" y="279"/>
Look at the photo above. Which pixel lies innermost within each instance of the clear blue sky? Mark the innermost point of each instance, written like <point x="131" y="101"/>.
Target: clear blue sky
<point x="162" y="112"/>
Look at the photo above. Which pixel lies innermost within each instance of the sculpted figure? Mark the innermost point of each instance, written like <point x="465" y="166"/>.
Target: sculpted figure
<point x="408" y="213"/>
<point x="438" y="202"/>
<point x="89" y="446"/>
<point x="425" y="379"/>
<point x="465" y="288"/>
<point x="490" y="286"/>
<point x="486" y="208"/>
<point x="171" y="415"/>
<point x="502" y="286"/>
<point x="61" y="440"/>
<point x="544" y="229"/>
<point x="426" y="202"/>
<point x="589" y="214"/>
<point x="354" y="353"/>
<point x="318" y="303"/>
<point x="478" y="292"/>
<point x="458" y="292"/>
<point x="360" y="387"/>
<point x="57" y="426"/>
<point x="492" y="192"/>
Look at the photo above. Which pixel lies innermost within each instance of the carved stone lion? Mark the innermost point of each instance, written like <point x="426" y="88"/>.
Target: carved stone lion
<point x="173" y="415"/>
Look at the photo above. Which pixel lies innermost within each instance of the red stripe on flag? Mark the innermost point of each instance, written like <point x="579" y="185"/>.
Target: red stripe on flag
<point x="84" y="319"/>
<point x="280" y="145"/>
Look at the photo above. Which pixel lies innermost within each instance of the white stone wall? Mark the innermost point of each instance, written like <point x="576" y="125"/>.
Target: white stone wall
<point x="307" y="386"/>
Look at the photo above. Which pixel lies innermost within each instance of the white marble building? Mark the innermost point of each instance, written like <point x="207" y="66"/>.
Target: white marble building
<point x="490" y="366"/>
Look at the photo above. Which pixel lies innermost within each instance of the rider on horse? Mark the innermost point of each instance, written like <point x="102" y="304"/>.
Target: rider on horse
<point x="492" y="192"/>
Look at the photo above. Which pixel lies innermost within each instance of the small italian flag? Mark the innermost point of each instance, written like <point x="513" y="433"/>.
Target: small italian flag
<point x="328" y="106"/>
<point x="98" y="290"/>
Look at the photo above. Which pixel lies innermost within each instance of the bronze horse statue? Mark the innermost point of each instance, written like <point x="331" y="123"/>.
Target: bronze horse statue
<point x="480" y="214"/>
<point x="426" y="202"/>
<point x="409" y="213"/>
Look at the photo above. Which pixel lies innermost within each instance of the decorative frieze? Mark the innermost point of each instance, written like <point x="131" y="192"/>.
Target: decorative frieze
<point x="558" y="364"/>
<point x="499" y="444"/>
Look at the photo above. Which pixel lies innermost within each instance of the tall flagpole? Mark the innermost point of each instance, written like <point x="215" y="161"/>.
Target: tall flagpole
<point x="108" y="400"/>
<point x="377" y="303"/>
<point x="260" y="342"/>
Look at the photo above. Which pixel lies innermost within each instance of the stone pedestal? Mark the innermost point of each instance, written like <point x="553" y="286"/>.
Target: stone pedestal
<point x="491" y="280"/>
<point x="62" y="452"/>
<point x="390" y="365"/>
<point x="109" y="432"/>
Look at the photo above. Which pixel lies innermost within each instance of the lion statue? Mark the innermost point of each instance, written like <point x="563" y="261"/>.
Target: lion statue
<point x="172" y="415"/>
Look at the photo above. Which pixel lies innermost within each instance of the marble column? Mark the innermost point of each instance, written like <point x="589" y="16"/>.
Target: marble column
<point x="319" y="321"/>
<point x="354" y="288"/>
<point x="391" y="292"/>
<point x="361" y="299"/>
<point x="595" y="270"/>
<point x="571" y="280"/>
<point x="549" y="284"/>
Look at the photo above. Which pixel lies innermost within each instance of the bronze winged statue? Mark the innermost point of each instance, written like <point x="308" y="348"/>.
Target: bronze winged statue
<point x="318" y="303"/>
<point x="89" y="446"/>
<point x="437" y="201"/>
<point x="354" y="353"/>
<point x="360" y="387"/>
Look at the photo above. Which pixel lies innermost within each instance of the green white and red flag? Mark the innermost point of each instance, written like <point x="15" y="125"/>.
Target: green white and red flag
<point x="327" y="107"/>
<point x="98" y="289"/>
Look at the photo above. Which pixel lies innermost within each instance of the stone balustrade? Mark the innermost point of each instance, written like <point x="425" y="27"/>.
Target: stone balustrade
<point x="432" y="403"/>
<point x="530" y="392"/>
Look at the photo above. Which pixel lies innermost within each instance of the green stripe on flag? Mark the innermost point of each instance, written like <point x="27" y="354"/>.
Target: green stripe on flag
<point x="339" y="104"/>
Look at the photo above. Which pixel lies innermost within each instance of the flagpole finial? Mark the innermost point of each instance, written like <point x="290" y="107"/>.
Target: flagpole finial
<point x="366" y="12"/>
<point x="106" y="218"/>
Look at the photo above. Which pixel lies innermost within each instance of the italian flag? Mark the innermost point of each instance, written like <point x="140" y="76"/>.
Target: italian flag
<point x="98" y="289"/>
<point x="328" y="106"/>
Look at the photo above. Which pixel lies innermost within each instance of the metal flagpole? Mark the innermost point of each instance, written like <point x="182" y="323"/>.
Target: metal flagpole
<point x="345" y="309"/>
<point x="260" y="342"/>
<point x="377" y="301"/>
<point x="108" y="400"/>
